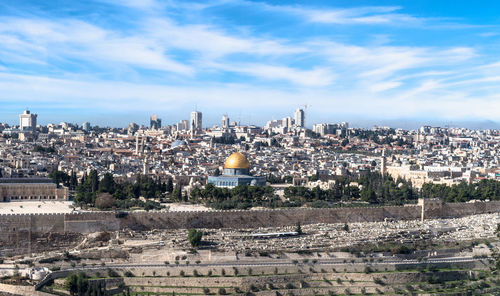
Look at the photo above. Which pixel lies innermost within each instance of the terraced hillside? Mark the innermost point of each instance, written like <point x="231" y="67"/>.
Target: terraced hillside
<point x="299" y="279"/>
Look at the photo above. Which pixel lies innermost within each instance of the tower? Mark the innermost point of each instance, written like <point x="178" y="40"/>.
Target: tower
<point x="299" y="118"/>
<point x="383" y="165"/>
<point x="86" y="126"/>
<point x="155" y="122"/>
<point x="196" y="121"/>
<point x="27" y="121"/>
<point x="224" y="124"/>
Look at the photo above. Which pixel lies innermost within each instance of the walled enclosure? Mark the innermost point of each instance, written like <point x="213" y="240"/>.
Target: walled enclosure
<point x="21" y="234"/>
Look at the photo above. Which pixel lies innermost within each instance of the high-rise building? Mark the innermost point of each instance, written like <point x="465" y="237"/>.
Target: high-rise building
<point x="299" y="118"/>
<point x="183" y="125"/>
<point x="155" y="122"/>
<point x="86" y="126"/>
<point x="224" y="124"/>
<point x="287" y="122"/>
<point x="27" y="121"/>
<point x="132" y="128"/>
<point x="195" y="121"/>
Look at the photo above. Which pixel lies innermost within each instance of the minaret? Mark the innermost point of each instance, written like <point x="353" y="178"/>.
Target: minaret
<point x="137" y="144"/>
<point x="383" y="166"/>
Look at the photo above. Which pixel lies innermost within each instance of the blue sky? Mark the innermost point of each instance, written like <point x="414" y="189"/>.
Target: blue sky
<point x="112" y="62"/>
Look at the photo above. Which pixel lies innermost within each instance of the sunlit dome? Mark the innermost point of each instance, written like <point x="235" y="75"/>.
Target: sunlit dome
<point x="177" y="143"/>
<point x="237" y="160"/>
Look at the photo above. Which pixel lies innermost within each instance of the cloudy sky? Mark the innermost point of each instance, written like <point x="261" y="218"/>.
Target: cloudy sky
<point x="111" y="62"/>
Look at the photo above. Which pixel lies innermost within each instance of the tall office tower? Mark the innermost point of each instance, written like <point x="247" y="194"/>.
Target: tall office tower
<point x="155" y="122"/>
<point x="196" y="121"/>
<point x="287" y="122"/>
<point x="132" y="128"/>
<point x="86" y="126"/>
<point x="27" y="121"/>
<point x="224" y="122"/>
<point x="183" y="125"/>
<point x="299" y="118"/>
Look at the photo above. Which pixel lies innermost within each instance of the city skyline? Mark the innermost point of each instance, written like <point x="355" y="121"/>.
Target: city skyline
<point x="112" y="62"/>
<point x="146" y="121"/>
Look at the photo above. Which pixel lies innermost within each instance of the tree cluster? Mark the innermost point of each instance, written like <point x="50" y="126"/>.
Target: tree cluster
<point x="463" y="192"/>
<point x="125" y="195"/>
<point x="78" y="285"/>
<point x="240" y="197"/>
<point x="42" y="149"/>
<point x="375" y="189"/>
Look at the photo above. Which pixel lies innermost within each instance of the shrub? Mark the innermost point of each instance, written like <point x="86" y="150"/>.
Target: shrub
<point x="128" y="273"/>
<point x="112" y="273"/>
<point x="378" y="281"/>
<point x="206" y="291"/>
<point x="45" y="260"/>
<point x="222" y="291"/>
<point x="181" y="273"/>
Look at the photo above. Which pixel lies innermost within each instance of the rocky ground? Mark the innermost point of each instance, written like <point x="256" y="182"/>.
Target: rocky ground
<point x="327" y="236"/>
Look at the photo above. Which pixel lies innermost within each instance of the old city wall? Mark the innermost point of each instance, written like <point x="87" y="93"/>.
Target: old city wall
<point x="38" y="232"/>
<point x="452" y="210"/>
<point x="264" y="218"/>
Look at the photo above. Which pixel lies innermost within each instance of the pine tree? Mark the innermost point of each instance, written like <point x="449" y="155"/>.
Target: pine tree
<point x="170" y="185"/>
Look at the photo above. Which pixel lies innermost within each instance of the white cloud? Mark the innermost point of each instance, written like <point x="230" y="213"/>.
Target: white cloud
<point x="213" y="42"/>
<point x="314" y="78"/>
<point x="71" y="39"/>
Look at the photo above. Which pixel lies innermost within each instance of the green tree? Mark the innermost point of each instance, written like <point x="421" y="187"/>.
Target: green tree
<point x="76" y="284"/>
<point x="194" y="237"/>
<point x="107" y="183"/>
<point x="368" y="195"/>
<point x="59" y="177"/>
<point x="93" y="180"/>
<point x="298" y="229"/>
<point x="170" y="185"/>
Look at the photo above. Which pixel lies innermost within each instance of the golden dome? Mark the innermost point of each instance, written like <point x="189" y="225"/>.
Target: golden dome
<point x="237" y="160"/>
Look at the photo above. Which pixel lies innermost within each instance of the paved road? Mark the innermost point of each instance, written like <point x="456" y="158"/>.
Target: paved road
<point x="281" y="263"/>
<point x="286" y="262"/>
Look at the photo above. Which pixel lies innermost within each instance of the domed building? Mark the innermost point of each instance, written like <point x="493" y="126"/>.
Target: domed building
<point x="236" y="172"/>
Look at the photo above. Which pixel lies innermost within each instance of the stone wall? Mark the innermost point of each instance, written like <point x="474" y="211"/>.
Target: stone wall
<point x="38" y="232"/>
